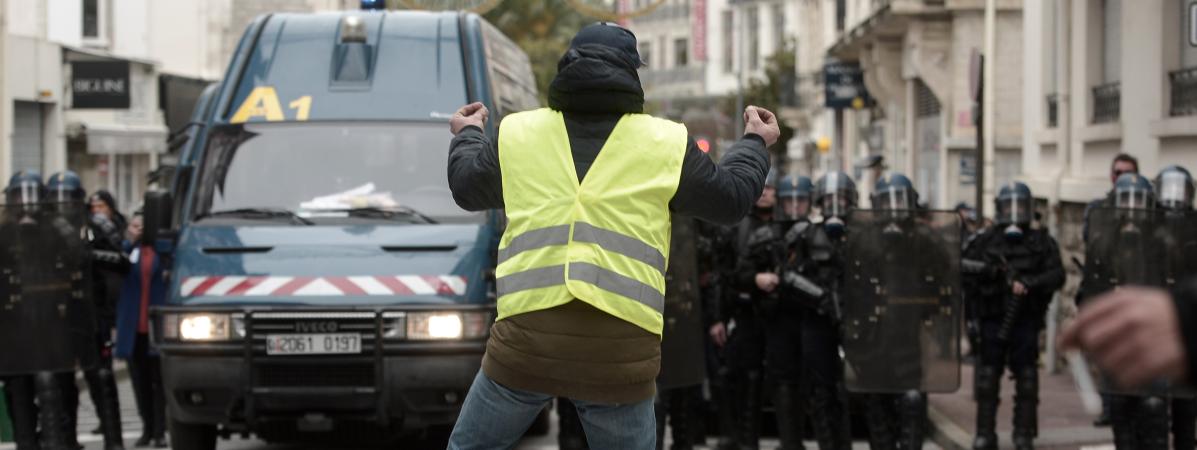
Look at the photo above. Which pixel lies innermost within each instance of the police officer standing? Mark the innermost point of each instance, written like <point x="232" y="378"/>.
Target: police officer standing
<point x="1016" y="269"/>
<point x="34" y="268"/>
<point x="1125" y="248"/>
<point x="716" y="262"/>
<point x="755" y="281"/>
<point x="816" y="284"/>
<point x="108" y="263"/>
<point x="1174" y="195"/>
<point x="783" y="319"/>
<point x="888" y="359"/>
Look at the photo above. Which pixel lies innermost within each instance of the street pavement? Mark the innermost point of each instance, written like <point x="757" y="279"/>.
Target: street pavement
<point x="1062" y="422"/>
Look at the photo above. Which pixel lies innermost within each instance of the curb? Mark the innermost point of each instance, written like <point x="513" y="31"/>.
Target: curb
<point x="945" y="432"/>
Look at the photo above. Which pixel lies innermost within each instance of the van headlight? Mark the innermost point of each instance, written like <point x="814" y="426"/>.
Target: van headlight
<point x="203" y="327"/>
<point x="427" y="326"/>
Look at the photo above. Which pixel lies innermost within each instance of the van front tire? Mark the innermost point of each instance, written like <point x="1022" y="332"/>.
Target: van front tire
<point x="186" y="436"/>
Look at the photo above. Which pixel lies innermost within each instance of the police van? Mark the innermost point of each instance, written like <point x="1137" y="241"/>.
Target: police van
<point x="323" y="282"/>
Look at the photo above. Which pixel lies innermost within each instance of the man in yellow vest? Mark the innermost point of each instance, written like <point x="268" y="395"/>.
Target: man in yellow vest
<point x="589" y="186"/>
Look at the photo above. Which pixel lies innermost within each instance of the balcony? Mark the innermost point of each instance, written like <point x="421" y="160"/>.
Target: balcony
<point x="1107" y="103"/>
<point x="1053" y="110"/>
<point x="1184" y="92"/>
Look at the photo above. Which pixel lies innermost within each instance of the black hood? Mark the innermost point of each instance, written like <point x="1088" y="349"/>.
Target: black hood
<point x="593" y="78"/>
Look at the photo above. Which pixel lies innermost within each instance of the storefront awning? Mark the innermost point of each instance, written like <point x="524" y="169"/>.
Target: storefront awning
<point x="108" y="138"/>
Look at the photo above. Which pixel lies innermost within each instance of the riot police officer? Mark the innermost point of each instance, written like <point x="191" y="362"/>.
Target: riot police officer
<point x="1174" y="195"/>
<point x="1015" y="270"/>
<point x="66" y="189"/>
<point x="783" y="349"/>
<point x="716" y="262"/>
<point x="755" y="282"/>
<point x="679" y="384"/>
<point x="815" y="284"/>
<point x="1125" y="246"/>
<point x="29" y="251"/>
<point x="886" y="356"/>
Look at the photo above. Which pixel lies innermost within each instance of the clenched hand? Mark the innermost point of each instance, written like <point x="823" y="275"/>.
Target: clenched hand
<point x="1132" y="333"/>
<point x="763" y="123"/>
<point x="472" y="114"/>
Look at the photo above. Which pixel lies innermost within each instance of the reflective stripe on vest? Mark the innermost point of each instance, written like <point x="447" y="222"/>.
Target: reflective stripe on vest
<point x="605" y="240"/>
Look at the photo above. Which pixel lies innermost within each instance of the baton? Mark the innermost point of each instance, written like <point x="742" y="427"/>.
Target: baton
<point x="1084" y="382"/>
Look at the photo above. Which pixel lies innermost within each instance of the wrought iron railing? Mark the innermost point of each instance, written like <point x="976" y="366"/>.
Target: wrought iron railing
<point x="1107" y="102"/>
<point x="1184" y="92"/>
<point x="1053" y="110"/>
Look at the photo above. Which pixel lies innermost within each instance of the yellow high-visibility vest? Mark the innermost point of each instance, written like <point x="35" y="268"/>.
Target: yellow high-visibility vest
<point x="604" y="241"/>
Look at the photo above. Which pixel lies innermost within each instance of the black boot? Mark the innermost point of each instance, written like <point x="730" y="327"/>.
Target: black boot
<point x="102" y="384"/>
<point x="1184" y="423"/>
<point x="1152" y="423"/>
<point x="828" y="419"/>
<point x="571" y="435"/>
<point x="987" y="405"/>
<point x="70" y="401"/>
<point x="1026" y="405"/>
<point x="788" y="402"/>
<point x="1122" y="421"/>
<point x="913" y="413"/>
<point x="681" y="407"/>
<point x="879" y="415"/>
<point x="22" y="411"/>
<point x="748" y="428"/>
<point x="727" y="423"/>
<point x="51" y="413"/>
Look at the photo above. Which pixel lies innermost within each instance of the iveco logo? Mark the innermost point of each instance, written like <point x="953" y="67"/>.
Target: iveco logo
<point x="316" y="327"/>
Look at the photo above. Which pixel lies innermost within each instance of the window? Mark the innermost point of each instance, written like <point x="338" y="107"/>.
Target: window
<point x="681" y="52"/>
<point x="1111" y="55"/>
<point x="841" y="14"/>
<point x="646" y="55"/>
<point x="728" y="42"/>
<point x="1188" y="57"/>
<point x="754" y="38"/>
<point x="91" y="18"/>
<point x="779" y="27"/>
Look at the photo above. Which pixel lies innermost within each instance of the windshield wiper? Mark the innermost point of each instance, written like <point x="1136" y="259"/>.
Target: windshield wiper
<point x="258" y="213"/>
<point x="383" y="213"/>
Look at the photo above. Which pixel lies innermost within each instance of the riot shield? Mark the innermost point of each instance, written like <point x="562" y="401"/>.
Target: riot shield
<point x="682" y="346"/>
<point x="45" y="315"/>
<point x="900" y="301"/>
<point x="1129" y="247"/>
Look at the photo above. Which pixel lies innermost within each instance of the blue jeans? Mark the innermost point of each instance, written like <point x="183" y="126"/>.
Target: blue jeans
<point x="496" y="417"/>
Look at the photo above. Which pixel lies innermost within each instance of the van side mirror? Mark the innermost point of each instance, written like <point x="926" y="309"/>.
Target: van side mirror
<point x="157" y="216"/>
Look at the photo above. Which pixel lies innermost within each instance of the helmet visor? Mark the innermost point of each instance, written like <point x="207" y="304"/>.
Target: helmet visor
<point x="1133" y="197"/>
<point x="24" y="194"/>
<point x="795" y="207"/>
<point x="1014" y="209"/>
<point x="1175" y="191"/>
<point x="894" y="199"/>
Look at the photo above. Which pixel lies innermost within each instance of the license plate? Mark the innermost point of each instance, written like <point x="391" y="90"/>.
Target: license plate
<point x="313" y="344"/>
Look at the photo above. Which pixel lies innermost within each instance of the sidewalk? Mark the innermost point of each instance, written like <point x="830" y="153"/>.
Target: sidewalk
<point x="1063" y="423"/>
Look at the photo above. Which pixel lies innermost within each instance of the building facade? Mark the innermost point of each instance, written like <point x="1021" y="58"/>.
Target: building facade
<point x="97" y="86"/>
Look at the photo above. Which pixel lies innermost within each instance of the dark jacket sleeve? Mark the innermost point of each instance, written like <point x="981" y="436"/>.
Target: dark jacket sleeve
<point x="722" y="193"/>
<point x="1051" y="276"/>
<point x="1185" y="298"/>
<point x="474" y="175"/>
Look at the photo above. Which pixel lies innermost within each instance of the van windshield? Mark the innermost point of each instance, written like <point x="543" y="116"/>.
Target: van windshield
<point x="322" y="171"/>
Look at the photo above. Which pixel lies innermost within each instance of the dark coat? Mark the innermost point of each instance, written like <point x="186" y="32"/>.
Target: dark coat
<point x="593" y="90"/>
<point x="128" y="310"/>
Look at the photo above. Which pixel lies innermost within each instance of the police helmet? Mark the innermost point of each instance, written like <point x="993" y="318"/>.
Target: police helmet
<point x="835" y="194"/>
<point x="894" y="192"/>
<point x="795" y="186"/>
<point x="1174" y="188"/>
<point x="1014" y="204"/>
<point x="1132" y="191"/>
<point x="65" y="187"/>
<point x="25" y="188"/>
